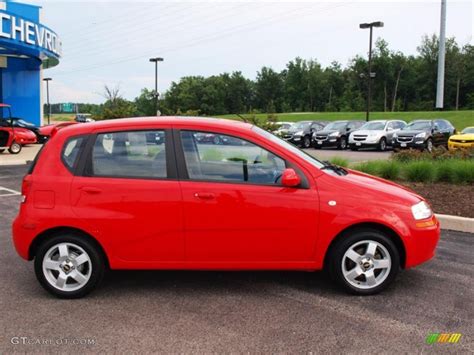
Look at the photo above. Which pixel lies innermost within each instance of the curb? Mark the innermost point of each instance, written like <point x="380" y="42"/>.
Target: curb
<point x="455" y="223"/>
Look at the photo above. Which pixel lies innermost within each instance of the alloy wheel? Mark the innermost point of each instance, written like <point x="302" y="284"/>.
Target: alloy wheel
<point x="67" y="267"/>
<point x="366" y="264"/>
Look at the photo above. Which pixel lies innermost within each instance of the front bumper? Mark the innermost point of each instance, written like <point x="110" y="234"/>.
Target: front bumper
<point x="329" y="142"/>
<point x="416" y="143"/>
<point x="421" y="245"/>
<point x="296" y="140"/>
<point x="458" y="145"/>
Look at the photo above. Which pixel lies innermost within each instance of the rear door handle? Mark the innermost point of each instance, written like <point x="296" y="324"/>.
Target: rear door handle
<point x="91" y="190"/>
<point x="204" y="195"/>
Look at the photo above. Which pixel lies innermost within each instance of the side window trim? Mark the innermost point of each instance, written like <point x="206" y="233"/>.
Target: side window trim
<point x="183" y="170"/>
<point x="84" y="167"/>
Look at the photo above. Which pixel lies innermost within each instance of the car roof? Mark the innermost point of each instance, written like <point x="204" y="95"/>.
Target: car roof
<point x="137" y="122"/>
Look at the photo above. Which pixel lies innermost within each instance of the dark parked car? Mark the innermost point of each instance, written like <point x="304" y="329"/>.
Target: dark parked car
<point x="300" y="133"/>
<point x="424" y="134"/>
<point x="21" y="123"/>
<point x="335" y="134"/>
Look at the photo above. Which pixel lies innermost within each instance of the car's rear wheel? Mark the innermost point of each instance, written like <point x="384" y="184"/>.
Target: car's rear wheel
<point x="15" y="148"/>
<point x="69" y="266"/>
<point x="364" y="262"/>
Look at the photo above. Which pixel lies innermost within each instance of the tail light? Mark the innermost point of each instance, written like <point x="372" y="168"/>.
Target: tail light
<point x="25" y="187"/>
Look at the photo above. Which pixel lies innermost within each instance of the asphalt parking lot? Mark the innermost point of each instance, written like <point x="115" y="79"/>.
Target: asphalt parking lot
<point x="284" y="312"/>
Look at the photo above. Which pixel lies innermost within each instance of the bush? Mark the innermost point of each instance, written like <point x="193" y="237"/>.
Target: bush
<point x="389" y="170"/>
<point x="370" y="167"/>
<point x="339" y="161"/>
<point x="464" y="172"/>
<point x="438" y="153"/>
<point x="445" y="172"/>
<point x="420" y="171"/>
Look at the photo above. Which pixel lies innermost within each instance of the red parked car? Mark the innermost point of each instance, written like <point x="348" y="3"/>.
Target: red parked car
<point x="102" y="196"/>
<point x="46" y="131"/>
<point x="13" y="138"/>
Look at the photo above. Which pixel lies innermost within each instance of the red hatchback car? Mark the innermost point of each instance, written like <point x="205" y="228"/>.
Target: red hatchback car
<point x="101" y="195"/>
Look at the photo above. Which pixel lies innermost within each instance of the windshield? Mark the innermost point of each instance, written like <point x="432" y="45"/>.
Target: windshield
<point x="468" y="130"/>
<point x="335" y="126"/>
<point x="417" y="126"/>
<point x="300" y="126"/>
<point x="287" y="146"/>
<point x="373" y="126"/>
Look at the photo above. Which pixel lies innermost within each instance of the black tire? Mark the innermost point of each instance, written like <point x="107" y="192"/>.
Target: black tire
<point x="216" y="140"/>
<point x="96" y="260"/>
<point x="15" y="148"/>
<point x="342" y="143"/>
<point x="429" y="145"/>
<point x="382" y="145"/>
<point x="354" y="148"/>
<point x="306" y="142"/>
<point x="336" y="255"/>
<point x="2" y="150"/>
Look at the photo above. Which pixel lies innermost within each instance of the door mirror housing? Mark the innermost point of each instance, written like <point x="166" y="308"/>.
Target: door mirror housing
<point x="290" y="178"/>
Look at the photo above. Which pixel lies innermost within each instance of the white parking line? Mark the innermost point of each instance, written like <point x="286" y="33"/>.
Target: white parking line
<point x="8" y="192"/>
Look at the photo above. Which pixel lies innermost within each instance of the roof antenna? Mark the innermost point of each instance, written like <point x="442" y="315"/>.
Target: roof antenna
<point x="242" y="118"/>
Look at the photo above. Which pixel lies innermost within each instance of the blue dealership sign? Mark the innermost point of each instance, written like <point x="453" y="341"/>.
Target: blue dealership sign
<point x="26" y="48"/>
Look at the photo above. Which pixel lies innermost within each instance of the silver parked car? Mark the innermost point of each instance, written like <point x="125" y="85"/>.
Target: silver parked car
<point x="375" y="134"/>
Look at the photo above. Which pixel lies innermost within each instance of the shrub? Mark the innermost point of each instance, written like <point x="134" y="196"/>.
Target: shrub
<point x="407" y="155"/>
<point x="445" y="172"/>
<point x="464" y="172"/>
<point x="389" y="170"/>
<point x="339" y="161"/>
<point x="420" y="171"/>
<point x="369" y="167"/>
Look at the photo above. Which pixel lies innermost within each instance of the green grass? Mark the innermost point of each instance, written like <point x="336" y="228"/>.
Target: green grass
<point x="460" y="119"/>
<point x="456" y="171"/>
<point x="339" y="161"/>
<point x="60" y="117"/>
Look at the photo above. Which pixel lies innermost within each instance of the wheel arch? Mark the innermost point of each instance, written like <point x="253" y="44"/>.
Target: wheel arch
<point x="369" y="225"/>
<point x="61" y="230"/>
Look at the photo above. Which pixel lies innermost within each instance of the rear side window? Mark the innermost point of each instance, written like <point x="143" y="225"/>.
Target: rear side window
<point x="71" y="151"/>
<point x="138" y="154"/>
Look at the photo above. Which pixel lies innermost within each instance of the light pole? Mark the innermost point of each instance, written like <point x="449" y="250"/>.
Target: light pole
<point x="370" y="74"/>
<point x="441" y="58"/>
<point x="156" y="60"/>
<point x="47" y="98"/>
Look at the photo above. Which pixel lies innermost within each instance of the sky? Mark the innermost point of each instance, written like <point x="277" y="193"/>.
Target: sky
<point x="110" y="42"/>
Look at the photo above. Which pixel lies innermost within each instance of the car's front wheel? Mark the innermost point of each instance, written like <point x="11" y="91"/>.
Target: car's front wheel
<point x="15" y="148"/>
<point x="306" y="142"/>
<point x="69" y="266"/>
<point x="342" y="143"/>
<point x="364" y="262"/>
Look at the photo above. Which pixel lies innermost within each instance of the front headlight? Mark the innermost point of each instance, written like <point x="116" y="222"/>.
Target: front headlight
<point x="421" y="210"/>
<point x="334" y="134"/>
<point x="421" y="135"/>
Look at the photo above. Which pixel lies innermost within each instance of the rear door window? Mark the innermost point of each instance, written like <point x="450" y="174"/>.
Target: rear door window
<point x="138" y="154"/>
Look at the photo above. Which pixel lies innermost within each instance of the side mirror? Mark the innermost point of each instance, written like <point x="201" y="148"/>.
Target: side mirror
<point x="290" y="178"/>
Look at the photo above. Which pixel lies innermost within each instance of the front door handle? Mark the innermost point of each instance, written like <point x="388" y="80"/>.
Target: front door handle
<point x="91" y="190"/>
<point x="204" y="195"/>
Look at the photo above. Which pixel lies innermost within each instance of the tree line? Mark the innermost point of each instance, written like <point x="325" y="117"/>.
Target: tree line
<point x="401" y="83"/>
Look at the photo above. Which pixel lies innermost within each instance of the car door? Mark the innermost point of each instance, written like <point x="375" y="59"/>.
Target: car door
<point x="129" y="194"/>
<point x="439" y="132"/>
<point x="236" y="213"/>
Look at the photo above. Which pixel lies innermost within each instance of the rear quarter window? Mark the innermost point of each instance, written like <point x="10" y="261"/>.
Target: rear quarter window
<point x="71" y="152"/>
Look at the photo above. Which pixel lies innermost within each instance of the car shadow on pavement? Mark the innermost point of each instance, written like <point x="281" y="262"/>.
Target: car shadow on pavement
<point x="214" y="281"/>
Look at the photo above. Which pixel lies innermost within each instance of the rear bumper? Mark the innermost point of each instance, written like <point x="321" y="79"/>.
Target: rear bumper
<point x="22" y="238"/>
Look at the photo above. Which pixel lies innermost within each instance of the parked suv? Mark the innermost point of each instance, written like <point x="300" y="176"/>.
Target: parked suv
<point x="120" y="202"/>
<point x="335" y="134"/>
<point x="300" y="133"/>
<point x="375" y="134"/>
<point x="424" y="134"/>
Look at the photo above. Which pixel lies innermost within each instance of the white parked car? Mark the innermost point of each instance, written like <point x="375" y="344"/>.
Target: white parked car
<point x="375" y="134"/>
